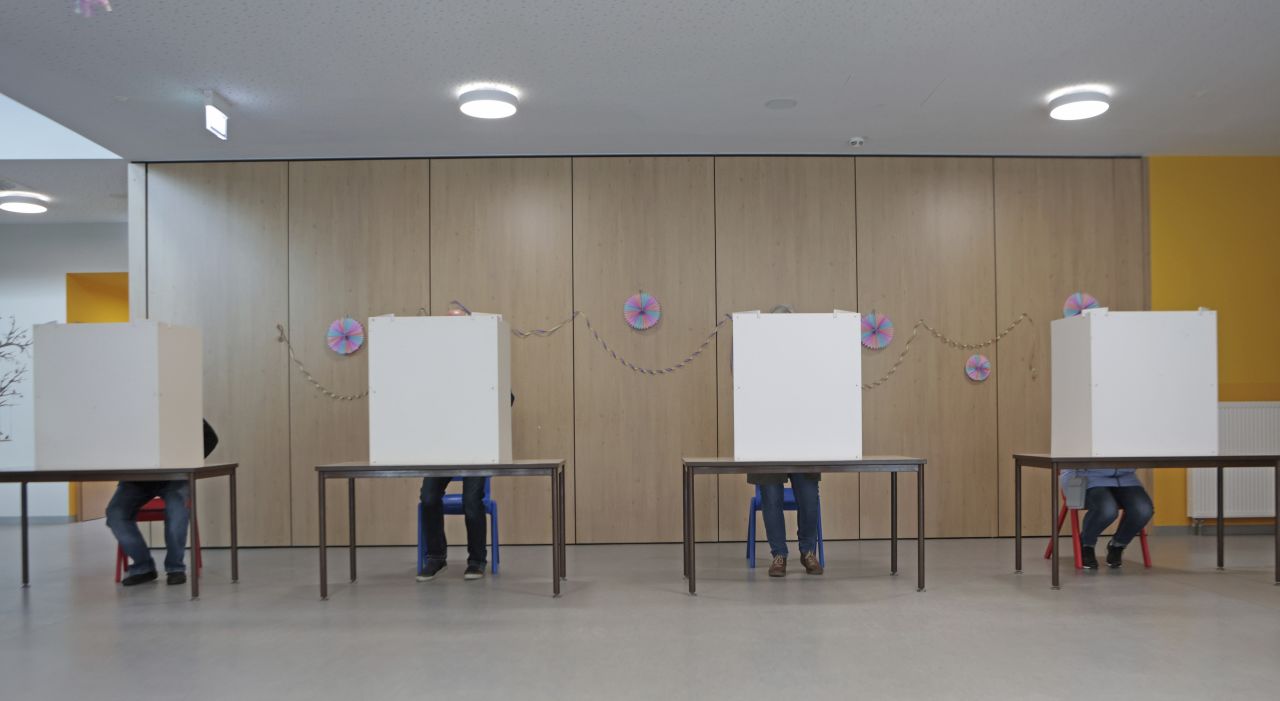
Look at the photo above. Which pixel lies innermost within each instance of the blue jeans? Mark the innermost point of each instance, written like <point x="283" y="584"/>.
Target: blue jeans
<point x="775" y="526"/>
<point x="432" y="496"/>
<point x="1104" y="504"/>
<point x="123" y="509"/>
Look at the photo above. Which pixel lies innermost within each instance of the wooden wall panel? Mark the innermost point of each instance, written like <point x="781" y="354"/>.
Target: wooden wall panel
<point x="502" y="242"/>
<point x="1062" y="226"/>
<point x="642" y="224"/>
<point x="217" y="258"/>
<point x="925" y="251"/>
<point x="784" y="235"/>
<point x="358" y="246"/>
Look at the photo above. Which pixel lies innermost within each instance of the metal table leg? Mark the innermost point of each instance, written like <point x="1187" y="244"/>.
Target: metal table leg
<point x="684" y="515"/>
<point x="235" y="539"/>
<point x="195" y="539"/>
<point x="1276" y="482"/>
<point x="1017" y="517"/>
<point x="351" y="523"/>
<point x="555" y="536"/>
<point x="26" y="563"/>
<point x="324" y="559"/>
<point x="564" y="518"/>
<point x="1053" y="522"/>
<point x="920" y="526"/>
<point x="1221" y="522"/>
<point x="893" y="523"/>
<point x="691" y="535"/>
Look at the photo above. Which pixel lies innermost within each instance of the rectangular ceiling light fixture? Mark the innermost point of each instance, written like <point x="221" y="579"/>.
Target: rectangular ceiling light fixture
<point x="215" y="114"/>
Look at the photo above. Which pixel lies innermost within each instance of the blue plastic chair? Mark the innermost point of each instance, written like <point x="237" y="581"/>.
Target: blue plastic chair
<point x="453" y="507"/>
<point x="788" y="504"/>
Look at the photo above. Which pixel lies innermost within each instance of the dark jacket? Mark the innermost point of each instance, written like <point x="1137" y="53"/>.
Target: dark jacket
<point x="210" y="439"/>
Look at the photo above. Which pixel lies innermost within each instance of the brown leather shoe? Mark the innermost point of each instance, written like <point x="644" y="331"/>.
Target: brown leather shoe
<point x="779" y="567"/>
<point x="810" y="562"/>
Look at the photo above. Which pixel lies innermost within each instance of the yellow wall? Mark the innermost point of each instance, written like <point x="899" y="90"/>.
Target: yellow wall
<point x="95" y="298"/>
<point x="1215" y="242"/>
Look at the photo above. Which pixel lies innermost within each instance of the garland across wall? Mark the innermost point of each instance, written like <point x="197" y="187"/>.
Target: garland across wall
<point x="683" y="363"/>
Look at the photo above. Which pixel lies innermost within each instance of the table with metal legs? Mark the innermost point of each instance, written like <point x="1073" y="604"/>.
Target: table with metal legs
<point x="1056" y="464"/>
<point x="351" y="471"/>
<point x="191" y="475"/>
<point x="893" y="464"/>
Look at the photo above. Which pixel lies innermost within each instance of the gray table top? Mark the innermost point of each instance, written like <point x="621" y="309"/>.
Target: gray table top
<point x="1146" y="461"/>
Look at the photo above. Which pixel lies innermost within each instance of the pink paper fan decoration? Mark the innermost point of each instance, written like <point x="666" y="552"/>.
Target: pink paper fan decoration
<point x="877" y="331"/>
<point x="977" y="368"/>
<point x="641" y="311"/>
<point x="1077" y="303"/>
<point x="345" y="336"/>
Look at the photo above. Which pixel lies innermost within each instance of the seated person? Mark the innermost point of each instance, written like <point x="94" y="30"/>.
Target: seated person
<point x="1108" y="491"/>
<point x="123" y="510"/>
<point x="432" y="497"/>
<point x="775" y="525"/>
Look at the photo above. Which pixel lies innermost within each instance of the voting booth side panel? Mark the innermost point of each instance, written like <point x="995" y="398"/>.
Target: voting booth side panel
<point x="797" y="387"/>
<point x="1155" y="383"/>
<point x="504" y="393"/>
<point x="1071" y="395"/>
<point x="434" y="385"/>
<point x="97" y="394"/>
<point x="181" y="396"/>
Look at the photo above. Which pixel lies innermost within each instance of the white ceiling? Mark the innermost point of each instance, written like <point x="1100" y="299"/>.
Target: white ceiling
<point x="83" y="191"/>
<point x="376" y="78"/>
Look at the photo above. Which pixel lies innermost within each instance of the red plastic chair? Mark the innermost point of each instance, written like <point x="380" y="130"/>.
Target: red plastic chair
<point x="154" y="511"/>
<point x="1075" y="536"/>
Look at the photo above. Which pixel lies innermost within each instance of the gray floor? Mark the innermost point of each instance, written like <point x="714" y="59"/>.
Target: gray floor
<point x="625" y="629"/>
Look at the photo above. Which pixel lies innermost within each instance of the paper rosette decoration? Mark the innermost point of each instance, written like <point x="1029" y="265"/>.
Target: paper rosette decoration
<point x="345" y="336"/>
<point x="877" y="331"/>
<point x="1077" y="303"/>
<point x="641" y="311"/>
<point x="977" y="368"/>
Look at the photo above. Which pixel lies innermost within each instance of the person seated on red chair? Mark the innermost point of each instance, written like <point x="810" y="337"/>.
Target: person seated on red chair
<point x="1107" y="492"/>
<point x="122" y="513"/>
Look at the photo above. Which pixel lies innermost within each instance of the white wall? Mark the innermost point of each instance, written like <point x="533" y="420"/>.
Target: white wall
<point x="34" y="262"/>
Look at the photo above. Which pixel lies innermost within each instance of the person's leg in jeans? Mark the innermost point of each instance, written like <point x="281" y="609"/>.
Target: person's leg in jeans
<point x="432" y="496"/>
<point x="775" y="526"/>
<point x="473" y="512"/>
<point x="177" y="516"/>
<point x="805" y="488"/>
<point x="1102" y="510"/>
<point x="122" y="511"/>
<point x="1138" y="511"/>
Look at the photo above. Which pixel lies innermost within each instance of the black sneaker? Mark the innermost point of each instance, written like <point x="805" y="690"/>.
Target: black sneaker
<point x="176" y="578"/>
<point x="434" y="567"/>
<point x="1088" y="559"/>
<point x="1115" y="555"/>
<point x="140" y="578"/>
<point x="473" y="572"/>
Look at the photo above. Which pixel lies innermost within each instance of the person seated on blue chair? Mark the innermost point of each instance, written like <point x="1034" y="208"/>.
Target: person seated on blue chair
<point x="432" y="496"/>
<point x="805" y="488"/>
<point x="122" y="512"/>
<point x="1108" y="491"/>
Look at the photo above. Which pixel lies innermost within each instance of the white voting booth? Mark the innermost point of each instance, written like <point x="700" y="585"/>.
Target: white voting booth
<point x="117" y="395"/>
<point x="1135" y="383"/>
<point x="797" y="386"/>
<point x="439" y="389"/>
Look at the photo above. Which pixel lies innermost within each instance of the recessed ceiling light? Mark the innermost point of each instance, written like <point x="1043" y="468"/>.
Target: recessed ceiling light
<point x="488" y="101"/>
<point x="23" y="202"/>
<point x="215" y="114"/>
<point x="781" y="103"/>
<point x="1079" y="102"/>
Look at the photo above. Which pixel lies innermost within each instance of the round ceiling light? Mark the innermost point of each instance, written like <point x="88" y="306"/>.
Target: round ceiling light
<point x="22" y="202"/>
<point x="1080" y="102"/>
<point x="488" y="103"/>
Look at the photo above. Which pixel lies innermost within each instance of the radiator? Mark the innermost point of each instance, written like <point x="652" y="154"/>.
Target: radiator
<point x="1243" y="428"/>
